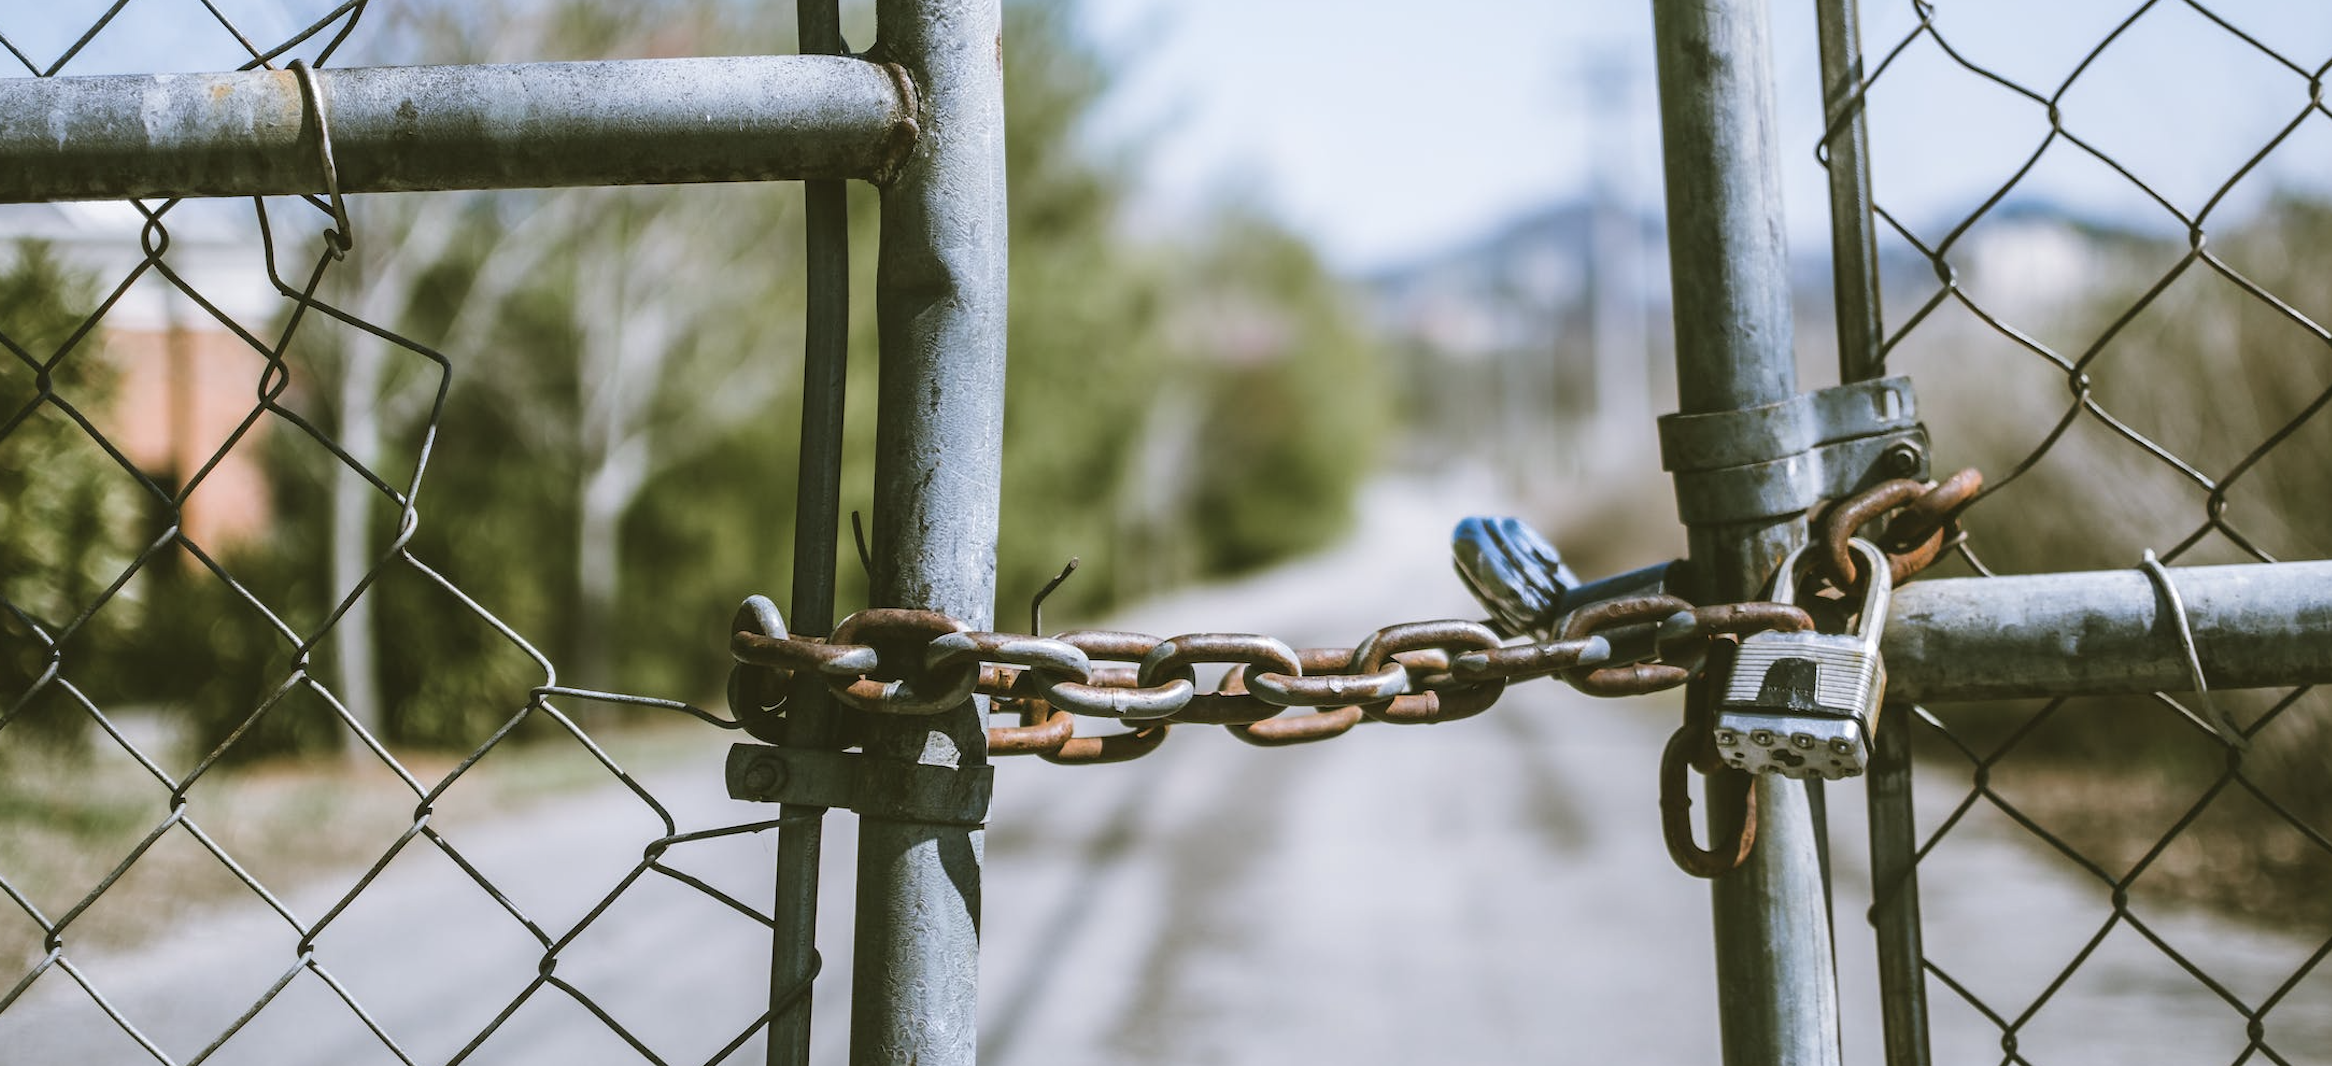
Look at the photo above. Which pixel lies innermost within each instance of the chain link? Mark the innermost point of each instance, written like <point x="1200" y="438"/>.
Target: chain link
<point x="893" y="661"/>
<point x="1411" y="673"/>
<point x="1925" y="522"/>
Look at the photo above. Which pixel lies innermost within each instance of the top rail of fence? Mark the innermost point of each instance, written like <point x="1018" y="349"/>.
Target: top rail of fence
<point x="408" y="129"/>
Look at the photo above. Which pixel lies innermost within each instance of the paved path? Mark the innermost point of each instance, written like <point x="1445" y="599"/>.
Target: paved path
<point x="1491" y="891"/>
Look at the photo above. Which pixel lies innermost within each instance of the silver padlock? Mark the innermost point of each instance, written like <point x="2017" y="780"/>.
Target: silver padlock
<point x="1804" y="704"/>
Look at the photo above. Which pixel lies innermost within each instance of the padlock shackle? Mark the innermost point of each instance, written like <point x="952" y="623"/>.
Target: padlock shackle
<point x="1878" y="584"/>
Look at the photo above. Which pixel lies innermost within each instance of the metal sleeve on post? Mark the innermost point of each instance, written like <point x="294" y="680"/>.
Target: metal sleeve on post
<point x="940" y="302"/>
<point x="409" y="129"/>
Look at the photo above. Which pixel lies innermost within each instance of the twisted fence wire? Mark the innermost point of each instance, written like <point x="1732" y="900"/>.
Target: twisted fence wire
<point x="298" y="304"/>
<point x="2234" y="423"/>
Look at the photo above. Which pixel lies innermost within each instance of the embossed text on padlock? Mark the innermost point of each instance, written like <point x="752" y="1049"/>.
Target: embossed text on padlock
<point x="1804" y="704"/>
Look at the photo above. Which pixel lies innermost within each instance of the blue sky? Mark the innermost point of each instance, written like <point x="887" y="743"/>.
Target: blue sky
<point x="1387" y="131"/>
<point x="1380" y="129"/>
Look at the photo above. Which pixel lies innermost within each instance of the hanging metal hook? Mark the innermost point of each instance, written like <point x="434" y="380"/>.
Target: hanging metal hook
<point x="339" y="239"/>
<point x="2219" y="721"/>
<point x="1036" y="603"/>
<point x="858" y="537"/>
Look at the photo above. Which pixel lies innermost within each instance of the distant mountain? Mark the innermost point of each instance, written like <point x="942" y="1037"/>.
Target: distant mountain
<point x="1530" y="286"/>
<point x="1517" y="288"/>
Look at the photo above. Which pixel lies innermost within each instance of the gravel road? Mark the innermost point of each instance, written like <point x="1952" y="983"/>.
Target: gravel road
<point x="1493" y="891"/>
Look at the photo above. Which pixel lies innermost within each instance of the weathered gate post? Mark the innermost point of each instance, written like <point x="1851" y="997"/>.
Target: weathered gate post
<point x="1776" y="982"/>
<point x="940" y="292"/>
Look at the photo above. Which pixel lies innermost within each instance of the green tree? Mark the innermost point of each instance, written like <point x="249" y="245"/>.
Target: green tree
<point x="1177" y="408"/>
<point x="1295" y="407"/>
<point x="68" y="510"/>
<point x="610" y="457"/>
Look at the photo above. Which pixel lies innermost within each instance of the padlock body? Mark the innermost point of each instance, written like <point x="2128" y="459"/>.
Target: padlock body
<point x="1801" y="705"/>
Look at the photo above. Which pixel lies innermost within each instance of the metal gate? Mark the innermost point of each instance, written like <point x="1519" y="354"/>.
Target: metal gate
<point x="920" y="116"/>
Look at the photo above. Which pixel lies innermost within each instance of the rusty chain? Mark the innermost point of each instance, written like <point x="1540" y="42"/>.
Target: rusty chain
<point x="908" y="662"/>
<point x="905" y="662"/>
<point x="1925" y="522"/>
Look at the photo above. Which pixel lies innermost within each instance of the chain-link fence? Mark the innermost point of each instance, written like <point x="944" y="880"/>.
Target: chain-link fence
<point x="2120" y="318"/>
<point x="195" y="389"/>
<point x="201" y="399"/>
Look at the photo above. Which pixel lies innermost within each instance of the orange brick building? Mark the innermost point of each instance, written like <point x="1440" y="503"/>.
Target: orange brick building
<point x="186" y="382"/>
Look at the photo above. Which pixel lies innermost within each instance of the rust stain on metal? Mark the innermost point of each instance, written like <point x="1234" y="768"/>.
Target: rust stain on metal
<point x="1302" y="728"/>
<point x="1631" y="680"/>
<point x="1117" y="747"/>
<point x="1732" y="841"/>
<point x="1757" y="616"/>
<point x="1044" y="730"/>
<point x="1225" y="705"/>
<point x="1522" y="662"/>
<point x="1926" y="517"/>
<point x="905" y="133"/>
<point x="1458" y="700"/>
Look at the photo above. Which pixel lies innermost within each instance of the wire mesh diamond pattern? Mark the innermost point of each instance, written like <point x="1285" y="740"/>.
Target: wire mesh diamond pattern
<point x="2184" y="322"/>
<point x="179" y="525"/>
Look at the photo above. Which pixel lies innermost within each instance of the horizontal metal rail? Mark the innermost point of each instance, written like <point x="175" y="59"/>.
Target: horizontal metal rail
<point x="2108" y="632"/>
<point x="407" y="129"/>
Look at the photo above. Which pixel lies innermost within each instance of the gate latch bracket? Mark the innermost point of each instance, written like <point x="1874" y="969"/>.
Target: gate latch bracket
<point x="1783" y="458"/>
<point x="875" y="788"/>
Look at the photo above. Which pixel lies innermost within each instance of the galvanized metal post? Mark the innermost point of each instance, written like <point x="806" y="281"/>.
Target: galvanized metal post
<point x="1894" y="885"/>
<point x="940" y="298"/>
<point x="817" y="522"/>
<point x="1777" y="988"/>
<point x="1854" y="265"/>
<point x="1854" y="253"/>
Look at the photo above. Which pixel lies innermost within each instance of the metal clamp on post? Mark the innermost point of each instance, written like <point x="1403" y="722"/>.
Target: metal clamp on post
<point x="1783" y="458"/>
<point x="875" y="788"/>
